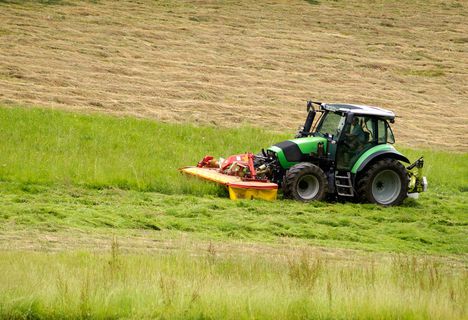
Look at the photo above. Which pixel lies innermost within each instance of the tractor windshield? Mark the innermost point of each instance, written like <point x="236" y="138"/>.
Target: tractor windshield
<point x="331" y="123"/>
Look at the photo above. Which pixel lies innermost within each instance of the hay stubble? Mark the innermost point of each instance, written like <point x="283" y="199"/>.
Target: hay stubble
<point x="232" y="62"/>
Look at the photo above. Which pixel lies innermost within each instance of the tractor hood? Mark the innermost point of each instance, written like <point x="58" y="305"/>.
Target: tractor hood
<point x="290" y="152"/>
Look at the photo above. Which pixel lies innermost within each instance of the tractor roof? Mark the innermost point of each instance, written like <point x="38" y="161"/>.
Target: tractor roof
<point x="359" y="109"/>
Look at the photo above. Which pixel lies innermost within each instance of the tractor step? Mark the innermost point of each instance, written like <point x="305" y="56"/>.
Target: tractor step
<point x="344" y="185"/>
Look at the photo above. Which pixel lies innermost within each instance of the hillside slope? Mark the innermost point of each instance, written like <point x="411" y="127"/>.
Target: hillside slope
<point x="225" y="62"/>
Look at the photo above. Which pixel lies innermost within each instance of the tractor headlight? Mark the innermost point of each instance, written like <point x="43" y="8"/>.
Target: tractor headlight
<point x="424" y="184"/>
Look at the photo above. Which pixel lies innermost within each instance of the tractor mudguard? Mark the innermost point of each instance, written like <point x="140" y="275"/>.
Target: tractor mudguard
<point x="379" y="151"/>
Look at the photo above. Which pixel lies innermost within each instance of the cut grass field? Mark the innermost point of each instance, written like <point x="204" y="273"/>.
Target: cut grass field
<point x="69" y="183"/>
<point x="229" y="62"/>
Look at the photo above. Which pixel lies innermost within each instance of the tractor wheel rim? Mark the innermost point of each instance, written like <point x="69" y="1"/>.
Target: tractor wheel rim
<point x="386" y="187"/>
<point x="308" y="187"/>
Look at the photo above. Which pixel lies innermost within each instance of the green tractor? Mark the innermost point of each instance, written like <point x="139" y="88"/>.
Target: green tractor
<point x="348" y="154"/>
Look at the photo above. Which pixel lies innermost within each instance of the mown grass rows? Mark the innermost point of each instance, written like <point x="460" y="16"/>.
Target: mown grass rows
<point x="173" y="61"/>
<point x="417" y="226"/>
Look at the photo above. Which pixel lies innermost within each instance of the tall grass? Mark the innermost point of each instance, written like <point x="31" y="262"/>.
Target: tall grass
<point x="44" y="146"/>
<point x="211" y="286"/>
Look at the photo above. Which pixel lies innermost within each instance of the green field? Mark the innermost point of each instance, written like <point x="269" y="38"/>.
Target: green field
<point x="73" y="177"/>
<point x="102" y="101"/>
<point x="182" y="285"/>
<point x="99" y="171"/>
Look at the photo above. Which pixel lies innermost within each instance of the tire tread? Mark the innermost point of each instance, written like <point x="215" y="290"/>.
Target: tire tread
<point x="364" y="183"/>
<point x="291" y="176"/>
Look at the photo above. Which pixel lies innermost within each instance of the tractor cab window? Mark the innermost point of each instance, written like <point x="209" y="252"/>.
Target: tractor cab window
<point x="385" y="132"/>
<point x="370" y="127"/>
<point x="330" y="124"/>
<point x="360" y="132"/>
<point x="358" y="137"/>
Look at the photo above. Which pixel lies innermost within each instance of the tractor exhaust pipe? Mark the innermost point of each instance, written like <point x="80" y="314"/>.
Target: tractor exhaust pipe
<point x="304" y="131"/>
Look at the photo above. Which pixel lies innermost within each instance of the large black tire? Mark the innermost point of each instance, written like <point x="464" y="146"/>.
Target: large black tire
<point x="385" y="182"/>
<point x="305" y="182"/>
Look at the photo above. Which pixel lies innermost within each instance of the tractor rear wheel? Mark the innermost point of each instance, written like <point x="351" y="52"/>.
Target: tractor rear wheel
<point x="385" y="182"/>
<point x="305" y="182"/>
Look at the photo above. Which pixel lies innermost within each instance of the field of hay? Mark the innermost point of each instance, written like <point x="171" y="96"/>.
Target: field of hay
<point x="231" y="62"/>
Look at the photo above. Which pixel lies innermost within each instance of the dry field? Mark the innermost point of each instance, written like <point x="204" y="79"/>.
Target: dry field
<point x="231" y="62"/>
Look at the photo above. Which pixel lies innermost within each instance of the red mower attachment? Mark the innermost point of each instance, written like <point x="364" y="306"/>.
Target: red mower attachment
<point x="238" y="173"/>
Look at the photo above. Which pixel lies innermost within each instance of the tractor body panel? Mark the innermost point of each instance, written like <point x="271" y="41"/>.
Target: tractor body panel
<point x="291" y="152"/>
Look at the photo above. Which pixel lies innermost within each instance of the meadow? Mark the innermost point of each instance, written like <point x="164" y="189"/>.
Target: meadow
<point x="96" y="222"/>
<point x="181" y="285"/>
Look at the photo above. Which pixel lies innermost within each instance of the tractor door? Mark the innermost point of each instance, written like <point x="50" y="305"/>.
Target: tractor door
<point x="358" y="136"/>
<point x="330" y="126"/>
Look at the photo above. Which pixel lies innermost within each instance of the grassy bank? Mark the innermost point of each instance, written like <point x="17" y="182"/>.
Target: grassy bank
<point x="210" y="286"/>
<point x="225" y="62"/>
<point x="43" y="146"/>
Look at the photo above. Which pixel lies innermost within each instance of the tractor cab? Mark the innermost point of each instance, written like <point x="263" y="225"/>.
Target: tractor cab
<point x="352" y="130"/>
<point x="348" y="153"/>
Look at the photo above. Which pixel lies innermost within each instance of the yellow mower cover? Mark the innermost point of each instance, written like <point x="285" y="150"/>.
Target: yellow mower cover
<point x="238" y="189"/>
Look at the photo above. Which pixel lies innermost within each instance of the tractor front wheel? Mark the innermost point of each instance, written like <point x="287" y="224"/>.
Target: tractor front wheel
<point x="305" y="182"/>
<point x="384" y="182"/>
